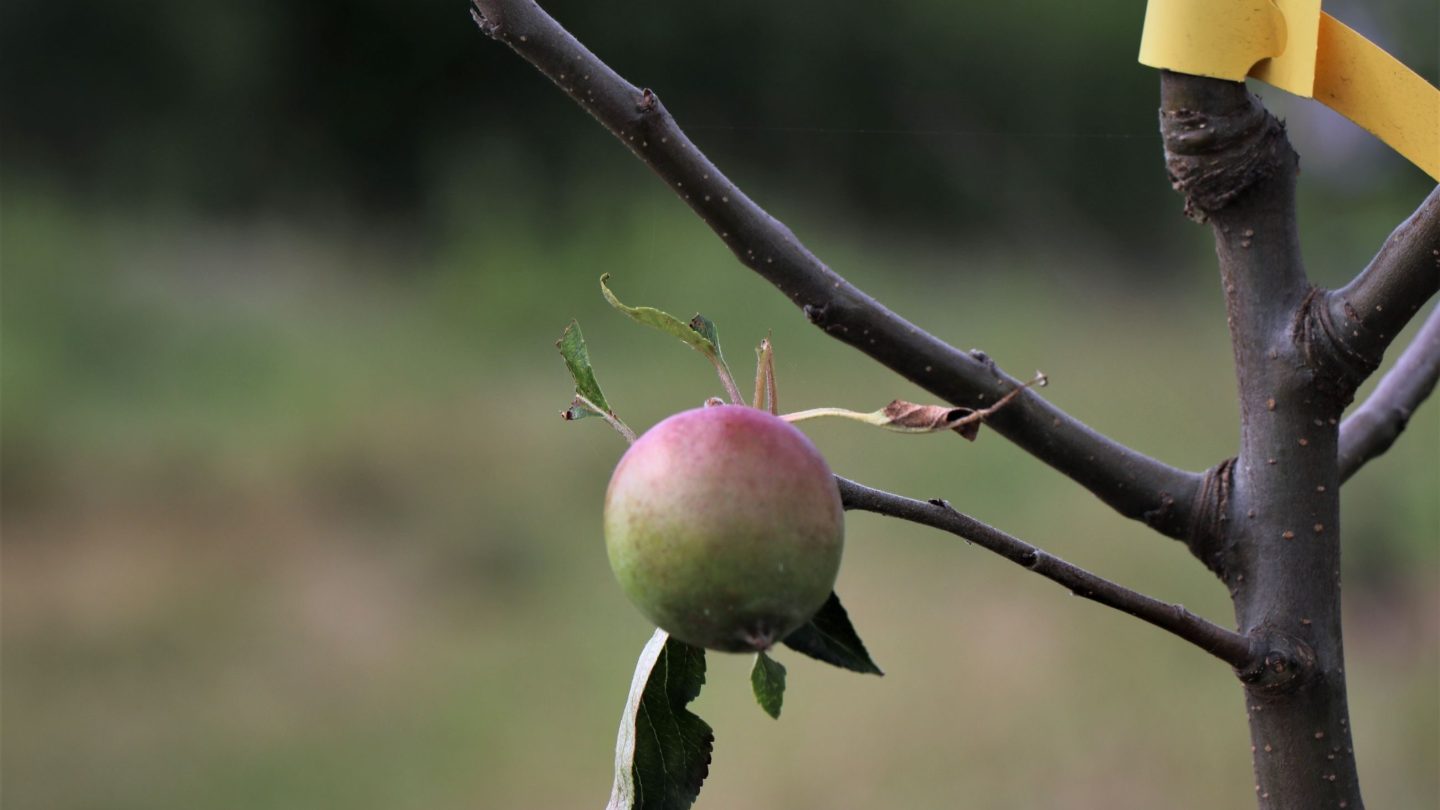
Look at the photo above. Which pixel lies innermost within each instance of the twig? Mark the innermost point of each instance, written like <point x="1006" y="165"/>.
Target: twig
<point x="1132" y="483"/>
<point x="1377" y="423"/>
<point x="1229" y="646"/>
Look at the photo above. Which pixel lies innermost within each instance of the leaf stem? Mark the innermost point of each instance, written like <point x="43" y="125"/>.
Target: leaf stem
<point x="876" y="418"/>
<point x="613" y="420"/>
<point x="727" y="379"/>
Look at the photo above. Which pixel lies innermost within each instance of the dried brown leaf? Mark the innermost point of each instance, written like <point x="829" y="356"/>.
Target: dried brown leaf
<point x="912" y="417"/>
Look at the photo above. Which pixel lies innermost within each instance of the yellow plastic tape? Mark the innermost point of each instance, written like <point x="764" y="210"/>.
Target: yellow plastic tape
<point x="1294" y="68"/>
<point x="1294" y="46"/>
<point x="1357" y="79"/>
<point x="1219" y="38"/>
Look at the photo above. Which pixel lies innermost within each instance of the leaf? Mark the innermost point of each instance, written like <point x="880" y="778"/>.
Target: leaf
<point x="589" y="399"/>
<point x="905" y="417"/>
<point x="908" y="417"/>
<point x="662" y="754"/>
<point x="579" y="409"/>
<point x="577" y="359"/>
<point x="707" y="330"/>
<point x="767" y="679"/>
<point x="830" y="637"/>
<point x="700" y="334"/>
<point x="665" y="322"/>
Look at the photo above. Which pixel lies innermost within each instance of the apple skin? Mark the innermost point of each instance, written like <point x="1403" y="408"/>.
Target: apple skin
<point x="724" y="526"/>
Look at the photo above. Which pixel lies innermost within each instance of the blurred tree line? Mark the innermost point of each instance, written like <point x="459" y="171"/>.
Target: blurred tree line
<point x="917" y="116"/>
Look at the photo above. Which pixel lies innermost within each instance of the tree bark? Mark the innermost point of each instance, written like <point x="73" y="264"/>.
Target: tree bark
<point x="1276" y="542"/>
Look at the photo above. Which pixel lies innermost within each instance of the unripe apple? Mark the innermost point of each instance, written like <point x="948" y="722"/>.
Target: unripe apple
<point x="724" y="526"/>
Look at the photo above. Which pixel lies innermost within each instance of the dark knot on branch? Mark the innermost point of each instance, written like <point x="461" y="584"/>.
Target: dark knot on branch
<point x="1282" y="665"/>
<point x="1214" y="156"/>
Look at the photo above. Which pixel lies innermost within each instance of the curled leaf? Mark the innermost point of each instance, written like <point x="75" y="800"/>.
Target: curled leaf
<point x="908" y="417"/>
<point x="662" y="753"/>
<point x="579" y="409"/>
<point x="577" y="359"/>
<point x="700" y="334"/>
<point x="905" y="417"/>
<point x="665" y="322"/>
<point x="706" y="329"/>
<point x="589" y="399"/>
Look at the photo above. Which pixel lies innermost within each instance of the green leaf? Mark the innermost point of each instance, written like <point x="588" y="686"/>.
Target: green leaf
<point x="830" y="637"/>
<point x="707" y="330"/>
<point x="579" y="410"/>
<point x="700" y="334"/>
<point x="665" y="322"/>
<point x="767" y="679"/>
<point x="662" y="754"/>
<point x="577" y="360"/>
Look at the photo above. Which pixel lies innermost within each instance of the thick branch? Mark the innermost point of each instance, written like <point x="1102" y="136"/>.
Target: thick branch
<point x="1277" y="542"/>
<point x="1134" y="484"/>
<point x="1378" y="422"/>
<point x="1232" y="161"/>
<point x="1365" y="315"/>
<point x="1229" y="646"/>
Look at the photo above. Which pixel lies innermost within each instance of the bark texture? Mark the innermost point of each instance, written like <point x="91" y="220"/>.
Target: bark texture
<point x="1276" y="542"/>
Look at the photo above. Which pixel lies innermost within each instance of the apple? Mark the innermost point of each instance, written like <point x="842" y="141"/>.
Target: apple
<point x="724" y="526"/>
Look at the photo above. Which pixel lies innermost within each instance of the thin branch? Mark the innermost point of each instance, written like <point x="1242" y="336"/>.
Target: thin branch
<point x="1132" y="483"/>
<point x="1229" y="646"/>
<point x="1378" y="422"/>
<point x="1366" y="314"/>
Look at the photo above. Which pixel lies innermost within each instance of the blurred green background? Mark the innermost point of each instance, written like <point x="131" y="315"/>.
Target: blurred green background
<point x="290" y="520"/>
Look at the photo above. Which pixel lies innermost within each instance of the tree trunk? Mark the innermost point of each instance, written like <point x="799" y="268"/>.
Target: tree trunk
<point x="1273" y="535"/>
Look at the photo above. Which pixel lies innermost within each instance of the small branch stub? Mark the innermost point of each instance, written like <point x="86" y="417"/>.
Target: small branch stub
<point x="1286" y="664"/>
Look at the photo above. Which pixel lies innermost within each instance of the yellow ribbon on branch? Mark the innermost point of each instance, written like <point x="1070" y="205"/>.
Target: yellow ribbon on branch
<point x="1293" y="45"/>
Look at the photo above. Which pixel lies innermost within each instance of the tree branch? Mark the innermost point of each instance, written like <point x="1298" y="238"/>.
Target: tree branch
<point x="1365" y="315"/>
<point x="1237" y="650"/>
<point x="1379" y="421"/>
<point x="1132" y="483"/>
